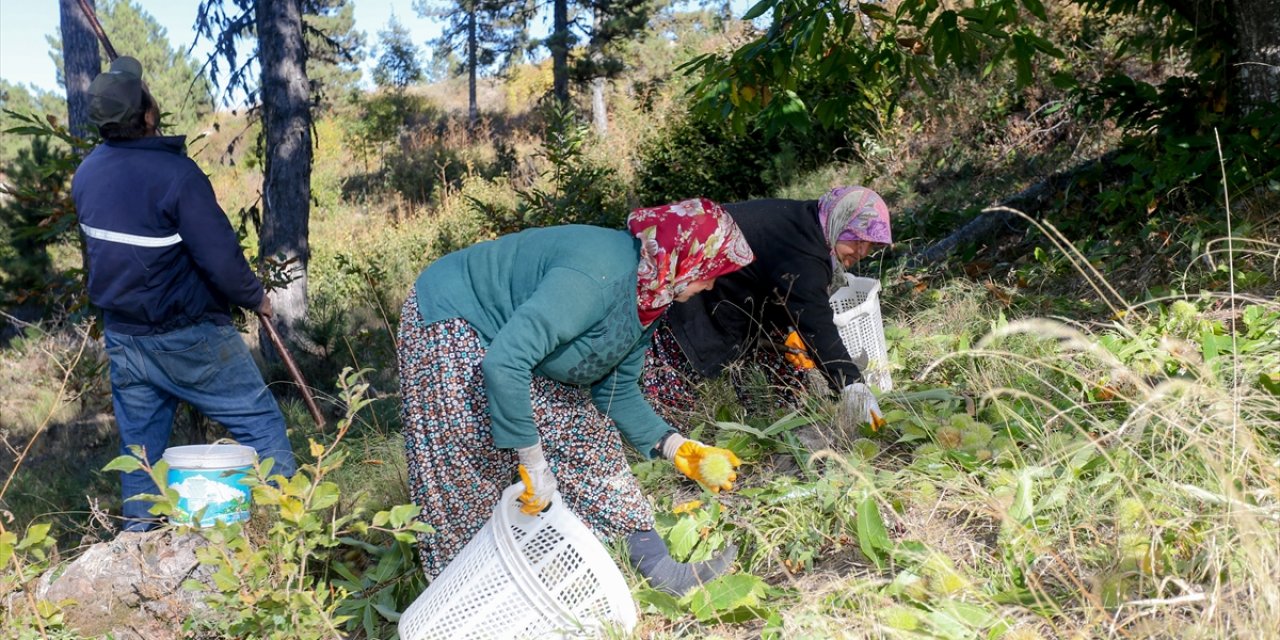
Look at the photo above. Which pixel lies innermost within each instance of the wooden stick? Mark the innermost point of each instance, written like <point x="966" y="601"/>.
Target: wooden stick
<point x="294" y="373"/>
<point x="97" y="28"/>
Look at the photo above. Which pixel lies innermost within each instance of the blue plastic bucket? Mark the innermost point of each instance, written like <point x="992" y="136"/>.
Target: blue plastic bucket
<point x="207" y="476"/>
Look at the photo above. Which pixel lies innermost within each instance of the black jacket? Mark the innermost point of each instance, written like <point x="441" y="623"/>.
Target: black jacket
<point x="161" y="253"/>
<point x="786" y="286"/>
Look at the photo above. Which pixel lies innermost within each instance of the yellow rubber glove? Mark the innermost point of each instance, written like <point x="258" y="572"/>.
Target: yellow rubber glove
<point x="690" y="456"/>
<point x="539" y="483"/>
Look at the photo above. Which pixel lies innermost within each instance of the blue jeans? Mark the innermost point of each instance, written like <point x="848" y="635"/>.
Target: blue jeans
<point x="210" y="368"/>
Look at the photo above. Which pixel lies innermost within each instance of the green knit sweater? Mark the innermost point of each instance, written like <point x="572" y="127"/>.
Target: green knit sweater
<point x="558" y="302"/>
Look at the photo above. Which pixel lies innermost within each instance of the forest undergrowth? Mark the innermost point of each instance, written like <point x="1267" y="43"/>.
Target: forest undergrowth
<point x="1082" y="439"/>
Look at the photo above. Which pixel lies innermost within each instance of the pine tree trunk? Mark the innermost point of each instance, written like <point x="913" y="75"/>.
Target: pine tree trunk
<point x="473" y="110"/>
<point x="1256" y="29"/>
<point x="558" y="43"/>
<point x="286" y="119"/>
<point x="599" y="114"/>
<point x="81" y="63"/>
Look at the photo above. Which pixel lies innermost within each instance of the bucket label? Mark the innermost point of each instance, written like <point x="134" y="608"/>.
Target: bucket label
<point x="218" y="492"/>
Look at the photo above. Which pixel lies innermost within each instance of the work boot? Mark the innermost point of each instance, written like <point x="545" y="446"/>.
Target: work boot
<point x="649" y="555"/>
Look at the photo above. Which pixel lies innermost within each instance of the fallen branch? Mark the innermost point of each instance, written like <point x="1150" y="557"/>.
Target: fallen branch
<point x="1189" y="598"/>
<point x="997" y="220"/>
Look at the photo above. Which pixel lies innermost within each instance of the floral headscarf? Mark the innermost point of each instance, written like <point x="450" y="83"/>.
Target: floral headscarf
<point x="854" y="213"/>
<point x="680" y="244"/>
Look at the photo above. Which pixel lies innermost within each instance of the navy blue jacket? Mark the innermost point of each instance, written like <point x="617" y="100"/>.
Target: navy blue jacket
<point x="161" y="253"/>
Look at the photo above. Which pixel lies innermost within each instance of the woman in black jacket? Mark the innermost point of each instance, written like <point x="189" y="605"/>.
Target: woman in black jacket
<point x="802" y="247"/>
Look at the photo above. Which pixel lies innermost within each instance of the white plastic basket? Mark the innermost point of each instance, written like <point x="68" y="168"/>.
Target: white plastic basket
<point x="857" y="317"/>
<point x="543" y="576"/>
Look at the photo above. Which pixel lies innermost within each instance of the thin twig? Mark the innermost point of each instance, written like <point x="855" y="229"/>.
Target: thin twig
<point x="1231" y="286"/>
<point x="17" y="321"/>
<point x="44" y="424"/>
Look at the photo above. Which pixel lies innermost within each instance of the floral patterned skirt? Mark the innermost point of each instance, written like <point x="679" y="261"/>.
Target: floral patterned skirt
<point x="457" y="475"/>
<point x="668" y="380"/>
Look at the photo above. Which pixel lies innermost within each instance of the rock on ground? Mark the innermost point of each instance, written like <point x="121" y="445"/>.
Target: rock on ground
<point x="130" y="587"/>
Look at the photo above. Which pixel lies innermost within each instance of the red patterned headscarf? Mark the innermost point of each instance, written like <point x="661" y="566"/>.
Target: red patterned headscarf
<point x="680" y="244"/>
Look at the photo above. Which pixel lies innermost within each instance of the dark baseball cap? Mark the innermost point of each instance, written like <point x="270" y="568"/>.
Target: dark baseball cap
<point x="115" y="95"/>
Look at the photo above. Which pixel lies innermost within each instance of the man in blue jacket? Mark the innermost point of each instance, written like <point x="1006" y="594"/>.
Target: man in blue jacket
<point x="165" y="267"/>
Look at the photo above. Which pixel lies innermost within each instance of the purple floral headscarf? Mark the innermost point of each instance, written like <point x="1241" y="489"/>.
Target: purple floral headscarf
<point x="854" y="213"/>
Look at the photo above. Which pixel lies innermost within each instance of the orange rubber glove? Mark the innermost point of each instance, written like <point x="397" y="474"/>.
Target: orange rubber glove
<point x="797" y="354"/>
<point x="689" y="457"/>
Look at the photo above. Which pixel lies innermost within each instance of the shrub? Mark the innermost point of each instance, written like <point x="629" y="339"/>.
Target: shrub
<point x="573" y="189"/>
<point x="690" y="157"/>
<point x="278" y="586"/>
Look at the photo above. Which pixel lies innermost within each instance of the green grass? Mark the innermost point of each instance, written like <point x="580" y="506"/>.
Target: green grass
<point x="1149" y="510"/>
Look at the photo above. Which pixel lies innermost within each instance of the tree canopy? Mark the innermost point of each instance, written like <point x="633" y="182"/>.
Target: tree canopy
<point x="840" y="68"/>
<point x="398" y="57"/>
<point x="335" y="48"/>
<point x="28" y="101"/>
<point x="172" y="76"/>
<point x="488" y="35"/>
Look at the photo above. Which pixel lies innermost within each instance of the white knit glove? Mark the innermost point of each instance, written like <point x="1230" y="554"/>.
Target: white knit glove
<point x="861" y="403"/>
<point x="539" y="482"/>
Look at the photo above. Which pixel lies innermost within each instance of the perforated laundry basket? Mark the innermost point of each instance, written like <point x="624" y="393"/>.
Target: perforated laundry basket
<point x="543" y="576"/>
<point x="857" y="317"/>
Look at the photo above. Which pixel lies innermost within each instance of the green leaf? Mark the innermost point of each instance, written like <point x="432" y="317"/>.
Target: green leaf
<point x="8" y="540"/>
<point x="28" y="131"/>
<point x="683" y="538"/>
<point x="874" y="11"/>
<point x="725" y="594"/>
<point x="943" y="34"/>
<point x="225" y="581"/>
<point x="663" y="603"/>
<point x="1064" y="80"/>
<point x="160" y="476"/>
<point x="1021" y="53"/>
<point x="1044" y="46"/>
<point x="873" y="538"/>
<point x="403" y="514"/>
<point x="944" y="625"/>
<point x="389" y="613"/>
<point x="758" y="10"/>
<point x="291" y="509"/>
<point x="127" y="464"/>
<point x="325" y="496"/>
<point x="787" y="423"/>
<point x="343" y="570"/>
<point x="1023" y="507"/>
<point x="740" y="615"/>
<point x="1036" y="9"/>
<point x="818" y="35"/>
<point x="738" y="426"/>
<point x="36" y="534"/>
<point x="971" y="615"/>
<point x="1270" y="382"/>
<point x="1212" y="345"/>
